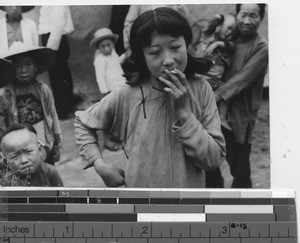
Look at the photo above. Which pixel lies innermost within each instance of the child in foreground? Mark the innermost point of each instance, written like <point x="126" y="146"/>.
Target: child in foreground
<point x="22" y="157"/>
<point x="166" y="116"/>
<point x="31" y="101"/>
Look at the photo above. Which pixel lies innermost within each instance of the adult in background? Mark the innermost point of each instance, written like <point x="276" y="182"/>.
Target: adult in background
<point x="55" y="22"/>
<point x="242" y="91"/>
<point x="14" y="27"/>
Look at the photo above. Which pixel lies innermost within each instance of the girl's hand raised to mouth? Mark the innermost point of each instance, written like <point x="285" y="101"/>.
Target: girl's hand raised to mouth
<point x="176" y="86"/>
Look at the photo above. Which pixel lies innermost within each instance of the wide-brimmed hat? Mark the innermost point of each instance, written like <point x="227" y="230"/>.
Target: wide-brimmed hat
<point x="101" y="34"/>
<point x="24" y="8"/>
<point x="7" y="72"/>
<point x="43" y="56"/>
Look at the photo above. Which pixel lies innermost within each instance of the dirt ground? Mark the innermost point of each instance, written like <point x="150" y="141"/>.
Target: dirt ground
<point x="71" y="165"/>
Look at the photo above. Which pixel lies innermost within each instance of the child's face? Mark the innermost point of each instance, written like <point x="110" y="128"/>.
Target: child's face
<point x="26" y="68"/>
<point x="13" y="11"/>
<point x="165" y="52"/>
<point x="106" y="46"/>
<point x="22" y="151"/>
<point x="227" y="29"/>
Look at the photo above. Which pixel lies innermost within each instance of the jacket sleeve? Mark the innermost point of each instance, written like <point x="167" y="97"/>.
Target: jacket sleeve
<point x="50" y="104"/>
<point x="100" y="116"/>
<point x="100" y="70"/>
<point x="202" y="139"/>
<point x="254" y="68"/>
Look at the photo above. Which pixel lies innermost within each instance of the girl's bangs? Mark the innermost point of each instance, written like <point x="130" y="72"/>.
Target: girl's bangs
<point x="162" y="24"/>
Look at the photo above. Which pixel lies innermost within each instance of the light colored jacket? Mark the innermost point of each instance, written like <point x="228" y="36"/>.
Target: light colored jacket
<point x="29" y="34"/>
<point x="109" y="73"/>
<point x="160" y="152"/>
<point x="57" y="21"/>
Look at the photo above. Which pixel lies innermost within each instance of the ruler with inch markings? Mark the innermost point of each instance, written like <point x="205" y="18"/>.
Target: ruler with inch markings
<point x="147" y="215"/>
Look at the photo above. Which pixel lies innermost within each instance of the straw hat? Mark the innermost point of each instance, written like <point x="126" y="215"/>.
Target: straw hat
<point x="101" y="34"/>
<point x="7" y="72"/>
<point x="43" y="56"/>
<point x="24" y="8"/>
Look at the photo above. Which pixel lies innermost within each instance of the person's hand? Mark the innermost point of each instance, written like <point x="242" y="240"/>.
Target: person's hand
<point x="177" y="88"/>
<point x="112" y="176"/>
<point x="209" y="51"/>
<point x="56" y="153"/>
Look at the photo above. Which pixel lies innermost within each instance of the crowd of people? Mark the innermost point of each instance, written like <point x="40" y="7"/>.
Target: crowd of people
<point x="177" y="114"/>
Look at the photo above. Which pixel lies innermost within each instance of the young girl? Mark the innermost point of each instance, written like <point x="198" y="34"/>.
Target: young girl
<point x="31" y="102"/>
<point x="166" y="117"/>
<point x="216" y="43"/>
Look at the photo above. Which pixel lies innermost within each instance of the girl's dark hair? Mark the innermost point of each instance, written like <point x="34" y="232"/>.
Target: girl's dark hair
<point x="213" y="23"/>
<point x="262" y="9"/>
<point x="163" y="21"/>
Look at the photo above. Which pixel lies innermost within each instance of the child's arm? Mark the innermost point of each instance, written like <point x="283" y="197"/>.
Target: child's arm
<point x="100" y="71"/>
<point x="56" y="130"/>
<point x="226" y="45"/>
<point x="213" y="46"/>
<point x="122" y="58"/>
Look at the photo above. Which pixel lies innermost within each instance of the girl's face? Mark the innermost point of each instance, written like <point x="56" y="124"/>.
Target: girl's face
<point x="165" y="52"/>
<point x="227" y="29"/>
<point x="26" y="68"/>
<point x="106" y="46"/>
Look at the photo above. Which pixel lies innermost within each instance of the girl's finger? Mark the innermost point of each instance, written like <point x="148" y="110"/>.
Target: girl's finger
<point x="180" y="76"/>
<point x="175" y="78"/>
<point x="168" y="83"/>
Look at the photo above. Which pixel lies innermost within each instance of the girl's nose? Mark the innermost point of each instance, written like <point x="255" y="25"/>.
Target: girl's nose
<point x="168" y="60"/>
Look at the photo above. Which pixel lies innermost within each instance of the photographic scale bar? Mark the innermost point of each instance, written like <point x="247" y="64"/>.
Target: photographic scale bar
<point x="147" y="215"/>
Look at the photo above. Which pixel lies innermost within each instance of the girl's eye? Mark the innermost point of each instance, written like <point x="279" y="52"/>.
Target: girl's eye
<point x="176" y="47"/>
<point x="153" y="53"/>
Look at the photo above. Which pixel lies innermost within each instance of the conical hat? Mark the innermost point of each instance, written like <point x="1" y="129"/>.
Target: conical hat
<point x="43" y="56"/>
<point x="24" y="8"/>
<point x="7" y="72"/>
